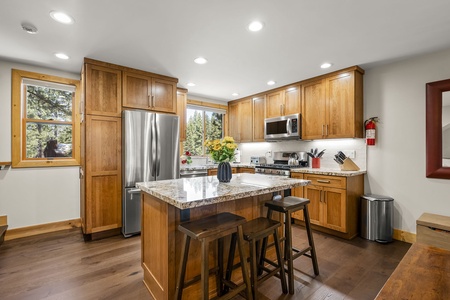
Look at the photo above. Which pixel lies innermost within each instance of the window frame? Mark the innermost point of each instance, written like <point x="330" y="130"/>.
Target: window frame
<point x="210" y="107"/>
<point x="18" y="120"/>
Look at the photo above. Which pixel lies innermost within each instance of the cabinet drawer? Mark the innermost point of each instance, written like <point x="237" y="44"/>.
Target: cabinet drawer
<point x="327" y="181"/>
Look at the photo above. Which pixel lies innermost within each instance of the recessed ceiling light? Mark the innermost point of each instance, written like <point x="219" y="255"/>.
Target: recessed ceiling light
<point x="200" y="60"/>
<point x="270" y="82"/>
<point x="325" y="65"/>
<point x="190" y="84"/>
<point x="61" y="56"/>
<point x="255" y="26"/>
<point x="61" y="17"/>
<point x="235" y="94"/>
<point x="31" y="29"/>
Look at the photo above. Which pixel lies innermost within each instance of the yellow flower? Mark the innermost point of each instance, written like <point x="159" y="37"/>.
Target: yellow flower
<point x="228" y="139"/>
<point x="217" y="147"/>
<point x="231" y="146"/>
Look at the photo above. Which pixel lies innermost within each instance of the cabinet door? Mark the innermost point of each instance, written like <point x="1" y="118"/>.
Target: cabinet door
<point x="213" y="172"/>
<point x="334" y="214"/>
<point x="136" y="90"/>
<point x="245" y="121"/>
<point x="246" y="170"/>
<point x="103" y="91"/>
<point x="103" y="206"/>
<point x="181" y="112"/>
<point x="313" y="110"/>
<point x="314" y="194"/>
<point x="259" y="109"/>
<point x="233" y="121"/>
<point x="164" y="95"/>
<point x="292" y="100"/>
<point x="274" y="104"/>
<point x="340" y="106"/>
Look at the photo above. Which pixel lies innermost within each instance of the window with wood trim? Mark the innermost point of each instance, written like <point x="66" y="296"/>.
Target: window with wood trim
<point x="45" y="120"/>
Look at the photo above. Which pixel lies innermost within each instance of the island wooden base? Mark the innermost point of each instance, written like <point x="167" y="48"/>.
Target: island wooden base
<point x="161" y="242"/>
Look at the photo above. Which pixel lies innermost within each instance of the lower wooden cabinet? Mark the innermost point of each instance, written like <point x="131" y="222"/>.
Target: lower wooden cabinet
<point x="233" y="170"/>
<point x="334" y="203"/>
<point x="101" y="205"/>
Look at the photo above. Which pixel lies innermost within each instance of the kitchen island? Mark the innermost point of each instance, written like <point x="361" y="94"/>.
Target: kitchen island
<point x="167" y="203"/>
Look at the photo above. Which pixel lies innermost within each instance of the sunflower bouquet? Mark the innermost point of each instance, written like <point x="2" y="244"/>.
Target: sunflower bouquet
<point x="221" y="150"/>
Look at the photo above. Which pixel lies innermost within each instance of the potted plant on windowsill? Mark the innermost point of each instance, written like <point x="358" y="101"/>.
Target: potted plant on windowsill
<point x="222" y="152"/>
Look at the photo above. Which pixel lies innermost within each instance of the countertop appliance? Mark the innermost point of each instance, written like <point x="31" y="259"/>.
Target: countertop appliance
<point x="283" y="128"/>
<point x="281" y="164"/>
<point x="150" y="151"/>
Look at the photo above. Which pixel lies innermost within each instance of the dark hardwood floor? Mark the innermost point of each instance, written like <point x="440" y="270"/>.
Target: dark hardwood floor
<point x="61" y="265"/>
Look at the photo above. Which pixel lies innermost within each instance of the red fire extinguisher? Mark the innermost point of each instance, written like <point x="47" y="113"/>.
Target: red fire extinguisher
<point x="370" y="126"/>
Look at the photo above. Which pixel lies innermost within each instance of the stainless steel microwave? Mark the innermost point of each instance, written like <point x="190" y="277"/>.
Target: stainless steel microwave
<point x="283" y="128"/>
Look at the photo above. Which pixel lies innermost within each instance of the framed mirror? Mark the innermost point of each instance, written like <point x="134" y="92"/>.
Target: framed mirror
<point x="438" y="129"/>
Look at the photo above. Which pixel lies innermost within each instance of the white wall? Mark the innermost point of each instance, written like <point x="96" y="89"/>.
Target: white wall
<point x="396" y="165"/>
<point x="32" y="196"/>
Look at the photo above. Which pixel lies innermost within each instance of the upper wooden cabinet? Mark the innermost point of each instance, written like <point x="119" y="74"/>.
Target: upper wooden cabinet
<point x="240" y="120"/>
<point x="333" y="106"/>
<point x="181" y="111"/>
<point x="103" y="90"/>
<point x="282" y="102"/>
<point x="143" y="91"/>
<point x="259" y="109"/>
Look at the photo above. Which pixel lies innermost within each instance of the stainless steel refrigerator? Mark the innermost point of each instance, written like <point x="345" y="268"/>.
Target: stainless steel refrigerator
<point x="150" y="151"/>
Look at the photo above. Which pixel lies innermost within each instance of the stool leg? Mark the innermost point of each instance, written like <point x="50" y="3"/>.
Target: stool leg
<point x="219" y="275"/>
<point x="230" y="261"/>
<point x="205" y="270"/>
<point x="311" y="240"/>
<point x="288" y="251"/>
<point x="244" y="263"/>
<point x="253" y="268"/>
<point x="182" y="270"/>
<point x="280" y="261"/>
<point x="264" y="246"/>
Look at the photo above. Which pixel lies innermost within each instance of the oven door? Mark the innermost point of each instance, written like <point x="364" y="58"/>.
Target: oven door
<point x="283" y="128"/>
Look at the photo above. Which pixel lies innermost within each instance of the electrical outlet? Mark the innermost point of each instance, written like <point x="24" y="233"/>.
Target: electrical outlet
<point x="269" y="153"/>
<point x="350" y="153"/>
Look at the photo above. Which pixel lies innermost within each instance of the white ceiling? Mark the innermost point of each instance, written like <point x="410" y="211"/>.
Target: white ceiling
<point x="165" y="36"/>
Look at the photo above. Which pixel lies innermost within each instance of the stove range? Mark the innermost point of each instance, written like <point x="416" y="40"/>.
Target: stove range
<point x="281" y="164"/>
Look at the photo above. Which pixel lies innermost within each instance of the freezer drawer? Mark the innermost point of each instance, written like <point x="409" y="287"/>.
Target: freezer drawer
<point x="131" y="208"/>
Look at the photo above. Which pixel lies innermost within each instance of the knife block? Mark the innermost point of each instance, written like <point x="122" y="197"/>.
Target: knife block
<point x="349" y="165"/>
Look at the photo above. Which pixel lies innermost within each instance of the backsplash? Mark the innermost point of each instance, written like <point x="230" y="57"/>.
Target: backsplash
<point x="331" y="146"/>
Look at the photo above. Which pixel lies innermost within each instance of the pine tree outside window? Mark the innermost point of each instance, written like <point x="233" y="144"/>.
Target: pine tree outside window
<point x="203" y="124"/>
<point x="46" y="121"/>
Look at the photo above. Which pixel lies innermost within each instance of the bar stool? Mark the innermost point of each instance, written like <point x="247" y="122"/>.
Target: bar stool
<point x="287" y="206"/>
<point x="206" y="230"/>
<point x="254" y="231"/>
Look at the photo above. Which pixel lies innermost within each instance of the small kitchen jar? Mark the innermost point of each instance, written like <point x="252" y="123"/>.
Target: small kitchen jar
<point x="316" y="162"/>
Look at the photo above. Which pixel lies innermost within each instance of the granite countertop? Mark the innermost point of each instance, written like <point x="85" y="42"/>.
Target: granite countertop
<point x="320" y="171"/>
<point x="328" y="171"/>
<point x="194" y="192"/>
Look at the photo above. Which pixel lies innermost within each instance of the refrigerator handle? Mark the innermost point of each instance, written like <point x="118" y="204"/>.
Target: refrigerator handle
<point x="158" y="149"/>
<point x="153" y="146"/>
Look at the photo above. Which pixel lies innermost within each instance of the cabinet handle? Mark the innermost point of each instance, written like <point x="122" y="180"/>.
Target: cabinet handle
<point x="323" y="181"/>
<point x="326" y="127"/>
<point x="322" y="130"/>
<point x="153" y="100"/>
<point x="149" y="101"/>
<point x="281" y="109"/>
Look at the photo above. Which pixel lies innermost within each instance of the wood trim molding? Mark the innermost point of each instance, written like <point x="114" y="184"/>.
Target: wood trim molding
<point x="207" y="104"/>
<point x="3" y="220"/>
<point x="404" y="236"/>
<point x="16" y="233"/>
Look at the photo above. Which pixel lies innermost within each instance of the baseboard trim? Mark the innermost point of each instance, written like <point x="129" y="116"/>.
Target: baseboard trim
<point x="3" y="220"/>
<point x="17" y="233"/>
<point x="404" y="236"/>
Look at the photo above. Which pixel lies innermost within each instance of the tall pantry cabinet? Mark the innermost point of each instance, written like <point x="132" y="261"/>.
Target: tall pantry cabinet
<point x="101" y="172"/>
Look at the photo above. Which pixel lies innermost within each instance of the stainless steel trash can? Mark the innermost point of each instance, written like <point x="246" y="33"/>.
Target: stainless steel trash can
<point x="377" y="218"/>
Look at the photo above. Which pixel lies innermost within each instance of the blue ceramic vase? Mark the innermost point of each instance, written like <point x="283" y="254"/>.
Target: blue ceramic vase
<point x="224" y="172"/>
